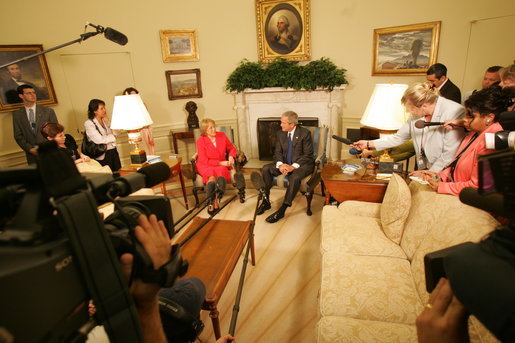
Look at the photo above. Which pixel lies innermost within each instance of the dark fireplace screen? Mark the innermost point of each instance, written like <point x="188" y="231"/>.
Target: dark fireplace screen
<point x="266" y="131"/>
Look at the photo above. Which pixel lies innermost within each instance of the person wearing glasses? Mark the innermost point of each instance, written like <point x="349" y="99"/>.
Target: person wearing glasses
<point x="66" y="142"/>
<point x="28" y="121"/>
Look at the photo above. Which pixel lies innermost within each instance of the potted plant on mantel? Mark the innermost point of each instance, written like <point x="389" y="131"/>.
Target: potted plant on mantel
<point x="320" y="74"/>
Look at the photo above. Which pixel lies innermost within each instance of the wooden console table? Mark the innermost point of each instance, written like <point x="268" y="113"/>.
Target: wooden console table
<point x="185" y="133"/>
<point x="212" y="254"/>
<point x="343" y="187"/>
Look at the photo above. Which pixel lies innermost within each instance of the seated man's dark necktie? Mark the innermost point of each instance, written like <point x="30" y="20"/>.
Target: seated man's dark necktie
<point x="290" y="150"/>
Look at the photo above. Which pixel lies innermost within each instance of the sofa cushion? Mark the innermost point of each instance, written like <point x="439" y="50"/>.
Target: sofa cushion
<point x="395" y="208"/>
<point x="341" y="329"/>
<point x="355" y="235"/>
<point x="368" y="287"/>
<point x="360" y="208"/>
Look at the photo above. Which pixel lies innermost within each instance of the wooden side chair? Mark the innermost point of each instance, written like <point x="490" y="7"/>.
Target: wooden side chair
<point x="196" y="178"/>
<point x="308" y="184"/>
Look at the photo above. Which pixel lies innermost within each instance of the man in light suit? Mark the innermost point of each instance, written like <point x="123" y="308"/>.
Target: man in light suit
<point x="293" y="156"/>
<point x="437" y="76"/>
<point x="28" y="120"/>
<point x="435" y="147"/>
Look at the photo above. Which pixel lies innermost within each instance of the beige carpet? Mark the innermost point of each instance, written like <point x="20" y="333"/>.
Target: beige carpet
<point x="279" y="300"/>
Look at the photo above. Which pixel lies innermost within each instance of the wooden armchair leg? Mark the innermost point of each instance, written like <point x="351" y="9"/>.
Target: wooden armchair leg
<point x="309" y="197"/>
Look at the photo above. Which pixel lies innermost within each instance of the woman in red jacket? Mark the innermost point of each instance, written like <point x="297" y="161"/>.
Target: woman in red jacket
<point x="216" y="156"/>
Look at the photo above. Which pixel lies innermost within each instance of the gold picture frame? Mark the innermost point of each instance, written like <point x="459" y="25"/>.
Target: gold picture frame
<point x="33" y="72"/>
<point x="179" y="45"/>
<point x="183" y="84"/>
<point x="283" y="29"/>
<point x="405" y="50"/>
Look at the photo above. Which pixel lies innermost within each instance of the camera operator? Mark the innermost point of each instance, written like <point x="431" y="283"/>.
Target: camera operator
<point x="444" y="319"/>
<point x="154" y="238"/>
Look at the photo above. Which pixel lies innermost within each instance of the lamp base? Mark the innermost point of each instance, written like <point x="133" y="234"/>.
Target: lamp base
<point x="138" y="158"/>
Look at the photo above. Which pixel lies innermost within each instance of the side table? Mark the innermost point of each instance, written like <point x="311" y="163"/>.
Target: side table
<point x="343" y="187"/>
<point x="180" y="135"/>
<point x="175" y="170"/>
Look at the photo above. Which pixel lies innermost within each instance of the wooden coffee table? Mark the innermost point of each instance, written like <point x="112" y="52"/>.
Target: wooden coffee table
<point x="212" y="254"/>
<point x="343" y="187"/>
<point x="175" y="170"/>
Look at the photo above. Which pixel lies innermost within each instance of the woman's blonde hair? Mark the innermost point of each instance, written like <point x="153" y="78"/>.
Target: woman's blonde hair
<point x="419" y="94"/>
<point x="204" y="124"/>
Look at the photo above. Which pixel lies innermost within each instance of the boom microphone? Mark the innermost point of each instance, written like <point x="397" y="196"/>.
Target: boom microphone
<point x="111" y="34"/>
<point x="259" y="184"/>
<point x="240" y="180"/>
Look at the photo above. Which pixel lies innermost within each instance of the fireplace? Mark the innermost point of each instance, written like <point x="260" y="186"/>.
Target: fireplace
<point x="252" y="104"/>
<point x="267" y="131"/>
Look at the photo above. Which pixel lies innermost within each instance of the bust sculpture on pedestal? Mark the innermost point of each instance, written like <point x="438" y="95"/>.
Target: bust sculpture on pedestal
<point x="191" y="108"/>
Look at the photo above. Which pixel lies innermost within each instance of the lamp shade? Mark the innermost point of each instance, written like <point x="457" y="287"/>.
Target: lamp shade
<point x="384" y="110"/>
<point x="129" y="113"/>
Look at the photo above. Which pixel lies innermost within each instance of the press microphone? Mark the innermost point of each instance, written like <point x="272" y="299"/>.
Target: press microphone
<point x="220" y="186"/>
<point x="259" y="184"/>
<point x="420" y="124"/>
<point x="352" y="151"/>
<point x="342" y="139"/>
<point x="111" y="34"/>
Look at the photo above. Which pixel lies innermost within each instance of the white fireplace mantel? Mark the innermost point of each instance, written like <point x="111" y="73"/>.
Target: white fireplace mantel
<point x="252" y="104"/>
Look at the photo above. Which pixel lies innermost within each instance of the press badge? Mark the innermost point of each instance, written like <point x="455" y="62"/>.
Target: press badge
<point x="421" y="164"/>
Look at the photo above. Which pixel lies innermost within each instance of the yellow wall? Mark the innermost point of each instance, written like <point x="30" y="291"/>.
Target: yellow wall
<point x="340" y="30"/>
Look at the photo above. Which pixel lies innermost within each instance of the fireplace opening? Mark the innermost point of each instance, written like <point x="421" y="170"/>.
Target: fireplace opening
<point x="266" y="131"/>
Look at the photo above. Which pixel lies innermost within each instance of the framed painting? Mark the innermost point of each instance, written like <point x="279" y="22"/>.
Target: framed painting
<point x="179" y="45"/>
<point x="283" y="29"/>
<point x="405" y="50"/>
<point x="183" y="84"/>
<point x="33" y="72"/>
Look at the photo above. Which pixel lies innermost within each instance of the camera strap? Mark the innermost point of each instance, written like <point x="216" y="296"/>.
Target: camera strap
<point x="78" y="214"/>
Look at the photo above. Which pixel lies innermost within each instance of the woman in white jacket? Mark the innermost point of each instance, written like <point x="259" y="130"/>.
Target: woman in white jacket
<point x="98" y="130"/>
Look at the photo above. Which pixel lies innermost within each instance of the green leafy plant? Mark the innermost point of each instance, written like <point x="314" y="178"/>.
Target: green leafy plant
<point x="317" y="74"/>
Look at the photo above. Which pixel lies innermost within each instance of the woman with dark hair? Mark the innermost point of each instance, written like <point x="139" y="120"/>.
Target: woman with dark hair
<point x="66" y="142"/>
<point x="98" y="130"/>
<point x="146" y="132"/>
<point x="483" y="109"/>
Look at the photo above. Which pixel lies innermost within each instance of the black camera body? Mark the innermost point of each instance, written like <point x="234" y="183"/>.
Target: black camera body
<point x="56" y="253"/>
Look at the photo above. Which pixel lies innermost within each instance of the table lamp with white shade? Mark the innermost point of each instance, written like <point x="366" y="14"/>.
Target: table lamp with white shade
<point x="385" y="112"/>
<point x="130" y="114"/>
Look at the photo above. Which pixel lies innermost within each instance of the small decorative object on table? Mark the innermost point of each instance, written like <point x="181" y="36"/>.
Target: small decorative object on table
<point x="191" y="108"/>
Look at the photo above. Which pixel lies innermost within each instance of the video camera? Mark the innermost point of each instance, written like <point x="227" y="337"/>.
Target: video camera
<point x="56" y="253"/>
<point x="482" y="274"/>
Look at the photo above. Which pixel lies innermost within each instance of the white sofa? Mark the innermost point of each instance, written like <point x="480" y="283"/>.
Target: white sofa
<point x="373" y="281"/>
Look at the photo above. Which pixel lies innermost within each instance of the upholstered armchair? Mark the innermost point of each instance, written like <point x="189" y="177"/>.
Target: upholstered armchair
<point x="308" y="184"/>
<point x="196" y="178"/>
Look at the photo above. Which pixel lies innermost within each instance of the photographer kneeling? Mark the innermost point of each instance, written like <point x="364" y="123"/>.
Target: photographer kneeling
<point x="189" y="292"/>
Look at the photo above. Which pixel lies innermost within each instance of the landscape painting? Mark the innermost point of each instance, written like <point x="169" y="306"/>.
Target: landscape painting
<point x="183" y="84"/>
<point x="406" y="50"/>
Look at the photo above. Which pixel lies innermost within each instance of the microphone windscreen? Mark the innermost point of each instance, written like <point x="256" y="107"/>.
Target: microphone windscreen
<point x="115" y="36"/>
<point x="419" y="124"/>
<point x="220" y="185"/>
<point x="257" y="180"/>
<point x="155" y="173"/>
<point x="240" y="180"/>
<point x="342" y="139"/>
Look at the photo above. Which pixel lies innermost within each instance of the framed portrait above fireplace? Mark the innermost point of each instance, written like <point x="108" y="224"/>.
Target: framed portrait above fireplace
<point x="283" y="28"/>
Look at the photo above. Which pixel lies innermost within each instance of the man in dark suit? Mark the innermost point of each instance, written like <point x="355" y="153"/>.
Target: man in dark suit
<point x="437" y="76"/>
<point x="293" y="156"/>
<point x="28" y="120"/>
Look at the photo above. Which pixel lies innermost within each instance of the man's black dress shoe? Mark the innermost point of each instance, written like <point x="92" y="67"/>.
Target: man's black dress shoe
<point x="265" y="206"/>
<point x="274" y="217"/>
